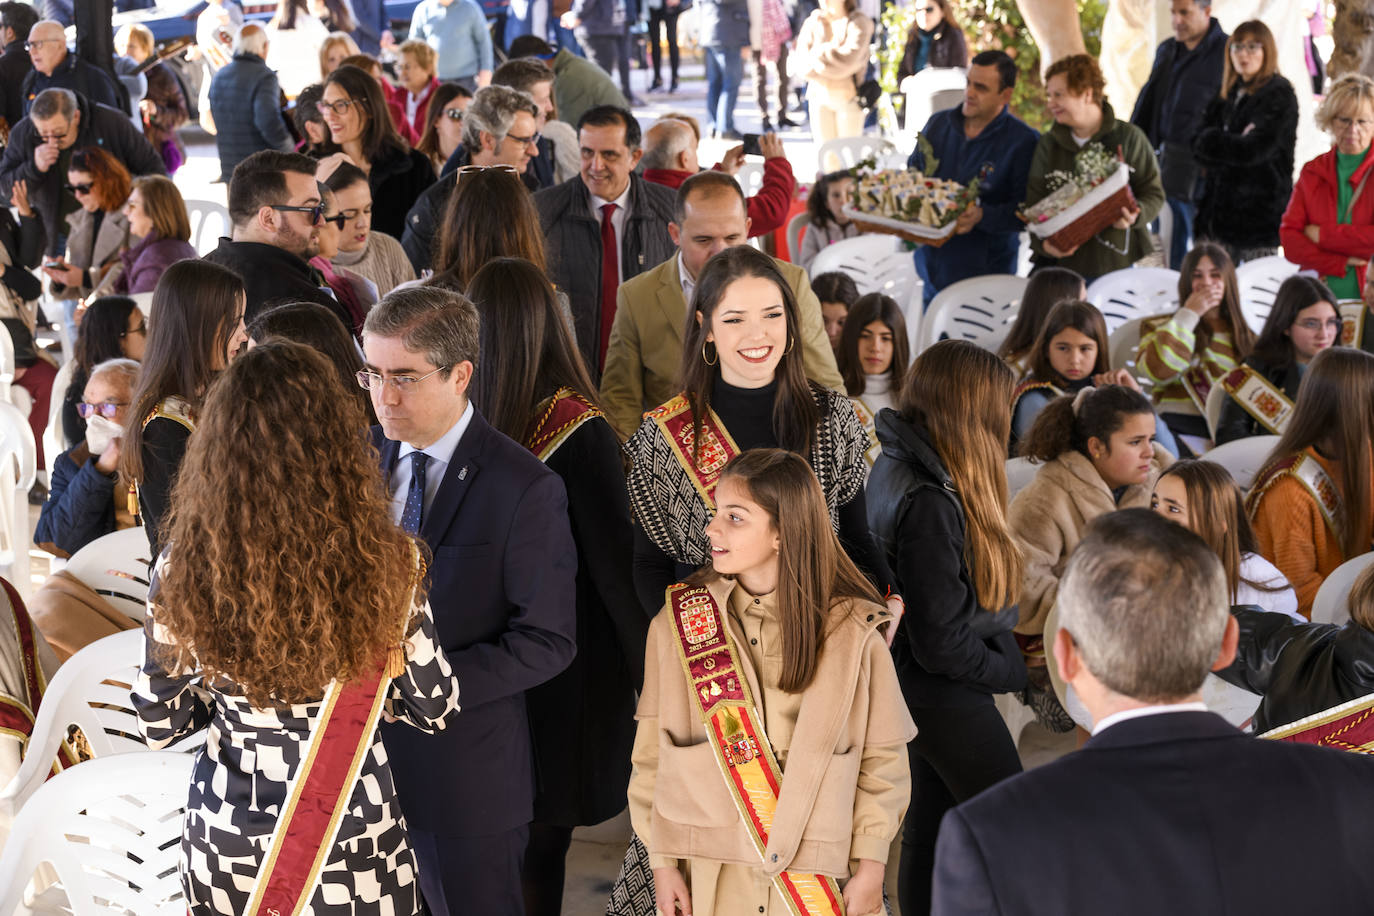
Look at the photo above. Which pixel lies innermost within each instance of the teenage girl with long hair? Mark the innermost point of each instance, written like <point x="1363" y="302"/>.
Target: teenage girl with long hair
<point x="937" y="505"/>
<point x="872" y="359"/>
<point x="1311" y="504"/>
<point x="803" y="699"/>
<point x="1069" y="353"/>
<point x="1045" y="289"/>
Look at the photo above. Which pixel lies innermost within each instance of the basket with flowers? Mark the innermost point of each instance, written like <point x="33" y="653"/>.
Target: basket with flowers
<point x="1083" y="202"/>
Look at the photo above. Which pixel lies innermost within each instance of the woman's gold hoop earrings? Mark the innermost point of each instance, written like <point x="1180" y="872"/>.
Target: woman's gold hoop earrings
<point x="704" y="359"/>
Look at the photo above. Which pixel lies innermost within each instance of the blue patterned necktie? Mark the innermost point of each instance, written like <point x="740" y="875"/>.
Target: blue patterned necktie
<point x="415" y="496"/>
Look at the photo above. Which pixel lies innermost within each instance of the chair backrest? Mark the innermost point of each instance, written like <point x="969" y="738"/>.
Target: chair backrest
<point x="1124" y="342"/>
<point x="1020" y="472"/>
<point x="144" y="301"/>
<point x="1134" y="293"/>
<point x="111" y="829"/>
<point x="1243" y="457"/>
<point x="115" y="566"/>
<point x="6" y="363"/>
<point x="18" y="469"/>
<point x="1259" y="281"/>
<point x="795" y="225"/>
<point x="1216" y="400"/>
<point x="930" y="90"/>
<point x="1332" y="604"/>
<point x="877" y="264"/>
<point x="209" y="221"/>
<point x="980" y="309"/>
<point x="847" y="152"/>
<point x="54" y="440"/>
<point x="750" y="178"/>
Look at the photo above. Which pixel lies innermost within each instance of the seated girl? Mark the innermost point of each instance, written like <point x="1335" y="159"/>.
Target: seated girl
<point x="872" y="359"/>
<point x="1261" y="392"/>
<point x="827" y="224"/>
<point x="1311" y="504"/>
<point x="781" y="622"/>
<point x="1045" y="289"/>
<point x="1202" y="497"/>
<point x="837" y="294"/>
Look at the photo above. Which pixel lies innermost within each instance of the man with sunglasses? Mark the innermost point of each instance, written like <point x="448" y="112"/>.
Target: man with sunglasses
<point x="275" y="215"/>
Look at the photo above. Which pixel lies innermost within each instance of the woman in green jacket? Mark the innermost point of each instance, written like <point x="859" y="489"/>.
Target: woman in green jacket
<point x="1073" y="92"/>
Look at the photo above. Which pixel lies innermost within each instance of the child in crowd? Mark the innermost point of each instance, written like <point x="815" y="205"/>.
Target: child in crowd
<point x="837" y="294"/>
<point x="828" y="223"/>
<point x="1045" y="289"/>
<point x="872" y="359"/>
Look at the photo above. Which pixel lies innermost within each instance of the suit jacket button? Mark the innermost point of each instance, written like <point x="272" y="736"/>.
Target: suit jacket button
<point x="870" y="618"/>
<point x="775" y="857"/>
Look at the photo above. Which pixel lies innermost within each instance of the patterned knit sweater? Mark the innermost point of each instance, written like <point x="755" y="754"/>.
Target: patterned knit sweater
<point x="381" y="259"/>
<point x="1169" y="349"/>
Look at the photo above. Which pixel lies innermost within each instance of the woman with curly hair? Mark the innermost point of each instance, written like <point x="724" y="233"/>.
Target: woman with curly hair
<point x="279" y="620"/>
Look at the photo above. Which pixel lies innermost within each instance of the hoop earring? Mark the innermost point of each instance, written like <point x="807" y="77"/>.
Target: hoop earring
<point x="791" y="342"/>
<point x="709" y="362"/>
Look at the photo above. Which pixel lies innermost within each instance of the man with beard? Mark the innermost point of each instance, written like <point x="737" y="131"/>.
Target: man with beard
<point x="275" y="212"/>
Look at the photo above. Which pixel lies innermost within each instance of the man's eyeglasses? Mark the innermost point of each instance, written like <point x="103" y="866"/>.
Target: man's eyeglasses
<point x="140" y="328"/>
<point x="403" y="383"/>
<point x="107" y="409"/>
<point x="1361" y="123"/>
<point x="34" y="44"/>
<point x="80" y="188"/>
<point x="338" y="219"/>
<point x="339" y="108"/>
<point x="316" y="212"/>
<point x="526" y="141"/>
<point x="453" y="114"/>
<point x="54" y="137"/>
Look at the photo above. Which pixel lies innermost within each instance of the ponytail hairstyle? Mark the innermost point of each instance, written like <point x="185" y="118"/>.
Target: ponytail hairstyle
<point x="1241" y="335"/>
<point x="1067" y="423"/>
<point x="1274" y="347"/>
<point x="1045" y="288"/>
<point x="814" y="572"/>
<point x="961" y="394"/>
<point x="1335" y="410"/>
<point x="818" y="203"/>
<point x="1073" y="314"/>
<point x="868" y="309"/>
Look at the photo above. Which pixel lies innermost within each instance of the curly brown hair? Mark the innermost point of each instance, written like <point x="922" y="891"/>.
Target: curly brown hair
<point x="285" y="570"/>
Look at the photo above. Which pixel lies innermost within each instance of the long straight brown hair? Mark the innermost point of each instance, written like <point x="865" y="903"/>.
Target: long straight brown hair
<point x="961" y="394"/>
<point x="814" y="572"/>
<point x="1335" y="411"/>
<point x="1077" y="315"/>
<point x="1241" y="335"/>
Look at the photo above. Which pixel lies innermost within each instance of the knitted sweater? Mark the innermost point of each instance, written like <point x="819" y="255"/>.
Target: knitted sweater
<point x="381" y="259"/>
<point x="1169" y="348"/>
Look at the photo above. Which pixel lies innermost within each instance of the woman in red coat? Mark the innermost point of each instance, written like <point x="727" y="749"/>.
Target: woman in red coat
<point x="1329" y="224"/>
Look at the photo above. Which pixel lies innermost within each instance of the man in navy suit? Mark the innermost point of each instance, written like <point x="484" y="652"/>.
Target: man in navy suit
<point x="501" y="586"/>
<point x="1167" y="808"/>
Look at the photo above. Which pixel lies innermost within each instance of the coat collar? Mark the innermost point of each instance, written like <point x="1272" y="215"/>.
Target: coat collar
<point x="1161" y="729"/>
<point x="1063" y="134"/>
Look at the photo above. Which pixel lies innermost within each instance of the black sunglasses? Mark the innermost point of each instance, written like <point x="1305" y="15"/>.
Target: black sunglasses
<point x="316" y="212"/>
<point x="338" y="219"/>
<point x="453" y="114"/>
<point x="80" y="188"/>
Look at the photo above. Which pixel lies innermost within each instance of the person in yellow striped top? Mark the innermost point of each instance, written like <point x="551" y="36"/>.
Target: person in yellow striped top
<point x="1184" y="354"/>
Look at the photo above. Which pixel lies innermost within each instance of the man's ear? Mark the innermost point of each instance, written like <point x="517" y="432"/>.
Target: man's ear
<point x="635" y="156"/>
<point x="267" y="220"/>
<point x="1066" y="655"/>
<point x="460" y="376"/>
<point x="1229" y="641"/>
<point x="675" y="233"/>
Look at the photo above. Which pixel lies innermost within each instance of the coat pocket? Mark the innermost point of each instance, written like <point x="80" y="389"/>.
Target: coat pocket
<point x="832" y="819"/>
<point x="690" y="788"/>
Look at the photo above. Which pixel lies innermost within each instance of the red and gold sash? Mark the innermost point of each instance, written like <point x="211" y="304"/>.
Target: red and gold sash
<point x="1353" y="313"/>
<point x="1198" y="384"/>
<point x="1259" y="397"/>
<point x="867" y="418"/>
<point x="17" y="712"/>
<point x="1303" y="468"/>
<point x="1031" y="384"/>
<point x="169" y="408"/>
<point x="735" y="732"/>
<point x="674" y="419"/>
<point x="559" y="417"/>
<point x="1347" y="727"/>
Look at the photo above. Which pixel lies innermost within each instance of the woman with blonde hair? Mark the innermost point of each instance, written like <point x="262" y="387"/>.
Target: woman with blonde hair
<point x="937" y="504"/>
<point x="1329" y="224"/>
<point x="239" y="640"/>
<point x="1312" y="504"/>
<point x="157" y="217"/>
<point x="411" y="99"/>
<point x="334" y="50"/>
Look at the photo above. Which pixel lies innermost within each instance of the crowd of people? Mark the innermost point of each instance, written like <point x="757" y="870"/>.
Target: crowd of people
<point x="486" y="461"/>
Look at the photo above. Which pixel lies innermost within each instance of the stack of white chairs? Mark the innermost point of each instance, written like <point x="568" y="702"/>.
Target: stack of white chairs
<point x="979" y="309"/>
<point x="877" y="264"/>
<point x="1136" y="292"/>
<point x="1259" y="281"/>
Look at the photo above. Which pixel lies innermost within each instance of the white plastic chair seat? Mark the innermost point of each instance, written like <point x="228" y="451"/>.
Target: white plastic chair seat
<point x="847" y="152"/>
<point x="980" y="309"/>
<point x="111" y="829"/>
<point x="1332" y="604"/>
<point x="1259" y="281"/>
<point x="1243" y="458"/>
<point x="878" y="264"/>
<point x="1135" y="292"/>
<point x="115" y="566"/>
<point x="1020" y="472"/>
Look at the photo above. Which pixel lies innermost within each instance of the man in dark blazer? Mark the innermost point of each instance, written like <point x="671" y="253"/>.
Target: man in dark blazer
<point x="501" y="586"/>
<point x="1167" y="808"/>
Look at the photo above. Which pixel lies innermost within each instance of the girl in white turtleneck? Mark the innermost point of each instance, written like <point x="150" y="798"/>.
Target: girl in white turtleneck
<point x="873" y="358"/>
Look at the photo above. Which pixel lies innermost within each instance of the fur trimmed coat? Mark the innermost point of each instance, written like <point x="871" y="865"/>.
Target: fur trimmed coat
<point x="1246" y="149"/>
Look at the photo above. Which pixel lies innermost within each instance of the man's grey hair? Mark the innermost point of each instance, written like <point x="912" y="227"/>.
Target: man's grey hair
<point x="53" y="102"/>
<point x="252" y="39"/>
<point x="125" y="369"/>
<point x="1145" y="601"/>
<point x="493" y="110"/>
<point x="665" y="141"/>
<point x="439" y="323"/>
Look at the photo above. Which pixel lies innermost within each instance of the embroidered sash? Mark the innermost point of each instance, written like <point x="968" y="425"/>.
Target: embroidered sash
<point x="170" y="408"/>
<point x="734" y="730"/>
<point x="559" y="417"/>
<point x="1347" y="727"/>
<point x="674" y="419"/>
<point x="17" y="712"/>
<point x="867" y="418"/>
<point x="1305" y="470"/>
<point x="1259" y="397"/>
<point x="1353" y="312"/>
<point x="1198" y="385"/>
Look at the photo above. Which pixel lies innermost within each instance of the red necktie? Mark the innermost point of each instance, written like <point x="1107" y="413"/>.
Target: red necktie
<point x="610" y="280"/>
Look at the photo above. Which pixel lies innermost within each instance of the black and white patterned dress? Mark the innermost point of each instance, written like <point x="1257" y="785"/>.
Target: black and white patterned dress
<point x="241" y="776"/>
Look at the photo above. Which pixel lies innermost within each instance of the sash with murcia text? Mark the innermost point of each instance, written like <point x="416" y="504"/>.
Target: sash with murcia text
<point x="1303" y="468"/>
<point x="702" y="465"/>
<point x="1259" y="397"/>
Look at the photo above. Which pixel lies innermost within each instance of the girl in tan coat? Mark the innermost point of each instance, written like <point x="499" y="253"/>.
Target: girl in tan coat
<point x="832" y="50"/>
<point x="805" y="632"/>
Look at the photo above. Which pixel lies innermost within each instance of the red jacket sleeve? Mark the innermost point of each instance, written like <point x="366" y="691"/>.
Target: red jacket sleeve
<point x="1297" y="247"/>
<point x="1348" y="240"/>
<point x="768" y="208"/>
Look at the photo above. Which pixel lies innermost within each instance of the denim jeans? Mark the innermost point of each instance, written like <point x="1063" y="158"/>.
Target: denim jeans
<point x="724" y="72"/>
<point x="1183" y="212"/>
<point x="565" y="38"/>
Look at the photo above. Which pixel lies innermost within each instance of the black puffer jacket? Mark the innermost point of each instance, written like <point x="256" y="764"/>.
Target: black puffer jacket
<point x="1245" y="148"/>
<point x="950" y="651"/>
<point x="1299" y="668"/>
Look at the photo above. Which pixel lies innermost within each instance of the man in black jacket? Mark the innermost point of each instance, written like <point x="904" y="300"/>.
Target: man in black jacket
<point x="16" y="19"/>
<point x="1185" y="77"/>
<point x="54" y="67"/>
<point x="41" y="145"/>
<point x="1167" y="808"/>
<point x="245" y="101"/>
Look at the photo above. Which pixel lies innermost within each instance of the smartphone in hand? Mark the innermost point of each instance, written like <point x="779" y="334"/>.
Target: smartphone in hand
<point x="751" y="145"/>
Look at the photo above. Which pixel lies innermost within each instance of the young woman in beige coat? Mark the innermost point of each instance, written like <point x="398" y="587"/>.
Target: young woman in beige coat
<point x="807" y="630"/>
<point x="831" y="55"/>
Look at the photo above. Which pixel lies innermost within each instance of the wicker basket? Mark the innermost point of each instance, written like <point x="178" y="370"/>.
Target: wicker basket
<point x="1097" y="210"/>
<point x="911" y="232"/>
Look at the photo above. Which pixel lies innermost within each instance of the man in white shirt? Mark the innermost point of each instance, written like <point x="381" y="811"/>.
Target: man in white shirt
<point x="1166" y="808"/>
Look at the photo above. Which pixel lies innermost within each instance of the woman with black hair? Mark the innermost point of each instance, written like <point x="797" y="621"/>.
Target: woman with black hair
<point x="872" y="360"/>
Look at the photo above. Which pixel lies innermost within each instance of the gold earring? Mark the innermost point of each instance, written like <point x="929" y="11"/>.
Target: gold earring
<point x="709" y="362"/>
<point x="791" y="341"/>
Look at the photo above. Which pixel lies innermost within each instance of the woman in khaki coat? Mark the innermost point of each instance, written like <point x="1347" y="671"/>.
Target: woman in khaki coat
<point x="832" y="54"/>
<point x="835" y="719"/>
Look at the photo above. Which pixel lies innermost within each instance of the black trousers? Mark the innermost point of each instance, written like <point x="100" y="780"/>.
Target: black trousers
<point x="957" y="753"/>
<point x="667" y="17"/>
<point x="546" y="868"/>
<point x="610" y="53"/>
<point x="460" y="876"/>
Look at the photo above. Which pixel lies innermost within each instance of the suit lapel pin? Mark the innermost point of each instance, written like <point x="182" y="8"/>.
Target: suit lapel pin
<point x="463" y="472"/>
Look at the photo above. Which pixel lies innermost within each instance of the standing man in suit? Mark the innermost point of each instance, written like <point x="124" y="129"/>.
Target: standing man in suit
<point x="1167" y="808"/>
<point x="501" y="586"/>
<point x="645" y="349"/>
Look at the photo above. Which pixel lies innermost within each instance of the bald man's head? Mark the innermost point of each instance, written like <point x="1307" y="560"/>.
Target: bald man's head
<point x="252" y="40"/>
<point x="47" y="46"/>
<point x="670" y="144"/>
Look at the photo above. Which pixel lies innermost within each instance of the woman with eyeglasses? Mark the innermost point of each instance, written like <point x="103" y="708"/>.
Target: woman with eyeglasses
<point x="361" y="133"/>
<point x="1261" y="392"/>
<point x="443" y="127"/>
<point x="1246" y="148"/>
<point x="97" y="231"/>
<point x="1329" y="224"/>
<point x="374" y="255"/>
<point x="158" y="220"/>
<point x="356" y="293"/>
<point x="112" y="328"/>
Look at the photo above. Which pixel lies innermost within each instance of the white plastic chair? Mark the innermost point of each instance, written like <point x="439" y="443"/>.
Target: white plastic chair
<point x="980" y="309"/>
<point x="1259" y="281"/>
<point x="1123" y="343"/>
<point x="144" y="301"/>
<point x="750" y="178"/>
<point x="795" y="225"/>
<point x="18" y="469"/>
<point x="1216" y="400"/>
<point x="54" y="442"/>
<point x="209" y="221"/>
<point x="878" y="264"/>
<point x="111" y="830"/>
<point x="848" y="152"/>
<point x="1020" y="472"/>
<point x="115" y="566"/>
<point x="930" y="90"/>
<point x="1332" y="604"/>
<point x="1135" y="292"/>
<point x="1243" y="458"/>
<point x="6" y="363"/>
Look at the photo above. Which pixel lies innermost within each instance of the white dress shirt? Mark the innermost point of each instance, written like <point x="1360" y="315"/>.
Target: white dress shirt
<point x="440" y="455"/>
<point x="622" y="210"/>
<point x="689" y="283"/>
<point x="1139" y="713"/>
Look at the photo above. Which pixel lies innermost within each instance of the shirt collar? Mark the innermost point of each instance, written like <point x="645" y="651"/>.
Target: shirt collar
<point x="689" y="285"/>
<point x="622" y="202"/>
<point x="1139" y="712"/>
<point x="442" y="450"/>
